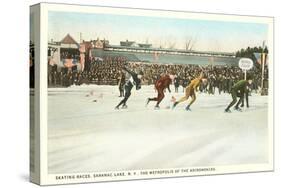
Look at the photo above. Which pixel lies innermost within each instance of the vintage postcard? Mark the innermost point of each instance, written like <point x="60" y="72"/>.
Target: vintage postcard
<point x="120" y="94"/>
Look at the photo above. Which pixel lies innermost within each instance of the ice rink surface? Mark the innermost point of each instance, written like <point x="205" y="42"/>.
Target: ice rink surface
<point x="86" y="133"/>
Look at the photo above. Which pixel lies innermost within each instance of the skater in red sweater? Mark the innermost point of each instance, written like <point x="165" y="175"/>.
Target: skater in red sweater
<point x="161" y="84"/>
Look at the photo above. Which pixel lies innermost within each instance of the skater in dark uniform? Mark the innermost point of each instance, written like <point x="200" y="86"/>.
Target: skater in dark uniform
<point x="185" y="82"/>
<point x="238" y="89"/>
<point x="160" y="85"/>
<point x="135" y="80"/>
<point x="242" y="98"/>
<point x="177" y="84"/>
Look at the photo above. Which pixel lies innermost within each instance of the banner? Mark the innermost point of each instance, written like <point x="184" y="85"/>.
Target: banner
<point x="258" y="57"/>
<point x="261" y="57"/>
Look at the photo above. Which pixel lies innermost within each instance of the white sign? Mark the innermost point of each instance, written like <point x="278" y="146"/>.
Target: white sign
<point x="246" y="63"/>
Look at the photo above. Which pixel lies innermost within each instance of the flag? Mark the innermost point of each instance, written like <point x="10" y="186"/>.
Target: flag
<point x="258" y="57"/>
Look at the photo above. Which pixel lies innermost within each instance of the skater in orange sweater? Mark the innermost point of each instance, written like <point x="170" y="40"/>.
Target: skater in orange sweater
<point x="190" y="91"/>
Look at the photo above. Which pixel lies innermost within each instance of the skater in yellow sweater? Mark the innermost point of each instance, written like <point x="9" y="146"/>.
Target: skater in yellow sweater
<point x="190" y="91"/>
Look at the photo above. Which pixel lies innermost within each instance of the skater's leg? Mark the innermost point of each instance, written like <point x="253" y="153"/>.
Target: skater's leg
<point x="234" y="100"/>
<point x="122" y="91"/>
<point x="193" y="98"/>
<point x="241" y="100"/>
<point x="183" y="99"/>
<point x="121" y="102"/>
<point x="179" y="101"/>
<point x="242" y="103"/>
<point x="119" y="87"/>
<point x="160" y="97"/>
<point x="126" y="97"/>
<point x="153" y="99"/>
<point x="150" y="99"/>
<point x="187" y="94"/>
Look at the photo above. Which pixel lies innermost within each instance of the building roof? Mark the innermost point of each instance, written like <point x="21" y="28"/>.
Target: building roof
<point x="68" y="40"/>
<point x="127" y="43"/>
<point x="165" y="58"/>
<point x="145" y="45"/>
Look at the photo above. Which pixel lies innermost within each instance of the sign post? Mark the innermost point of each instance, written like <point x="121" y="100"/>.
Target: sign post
<point x="245" y="64"/>
<point x="263" y="59"/>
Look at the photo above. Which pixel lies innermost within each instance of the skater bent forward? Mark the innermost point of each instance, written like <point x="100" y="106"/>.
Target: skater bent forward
<point x="160" y="85"/>
<point x="135" y="80"/>
<point x="190" y="91"/>
<point x="238" y="89"/>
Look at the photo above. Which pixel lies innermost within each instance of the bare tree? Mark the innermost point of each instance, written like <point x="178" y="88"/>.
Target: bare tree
<point x="193" y="44"/>
<point x="187" y="44"/>
<point x="172" y="45"/>
<point x="190" y="43"/>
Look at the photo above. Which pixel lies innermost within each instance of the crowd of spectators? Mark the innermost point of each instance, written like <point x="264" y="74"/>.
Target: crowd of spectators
<point x="75" y="55"/>
<point x="107" y="71"/>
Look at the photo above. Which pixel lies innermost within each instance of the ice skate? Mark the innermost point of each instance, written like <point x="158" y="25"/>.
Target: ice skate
<point x="175" y="104"/>
<point x="156" y="108"/>
<point x="147" y="102"/>
<point x="116" y="108"/>
<point x="227" y="111"/>
<point x="238" y="109"/>
<point x="187" y="108"/>
<point x="124" y="107"/>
